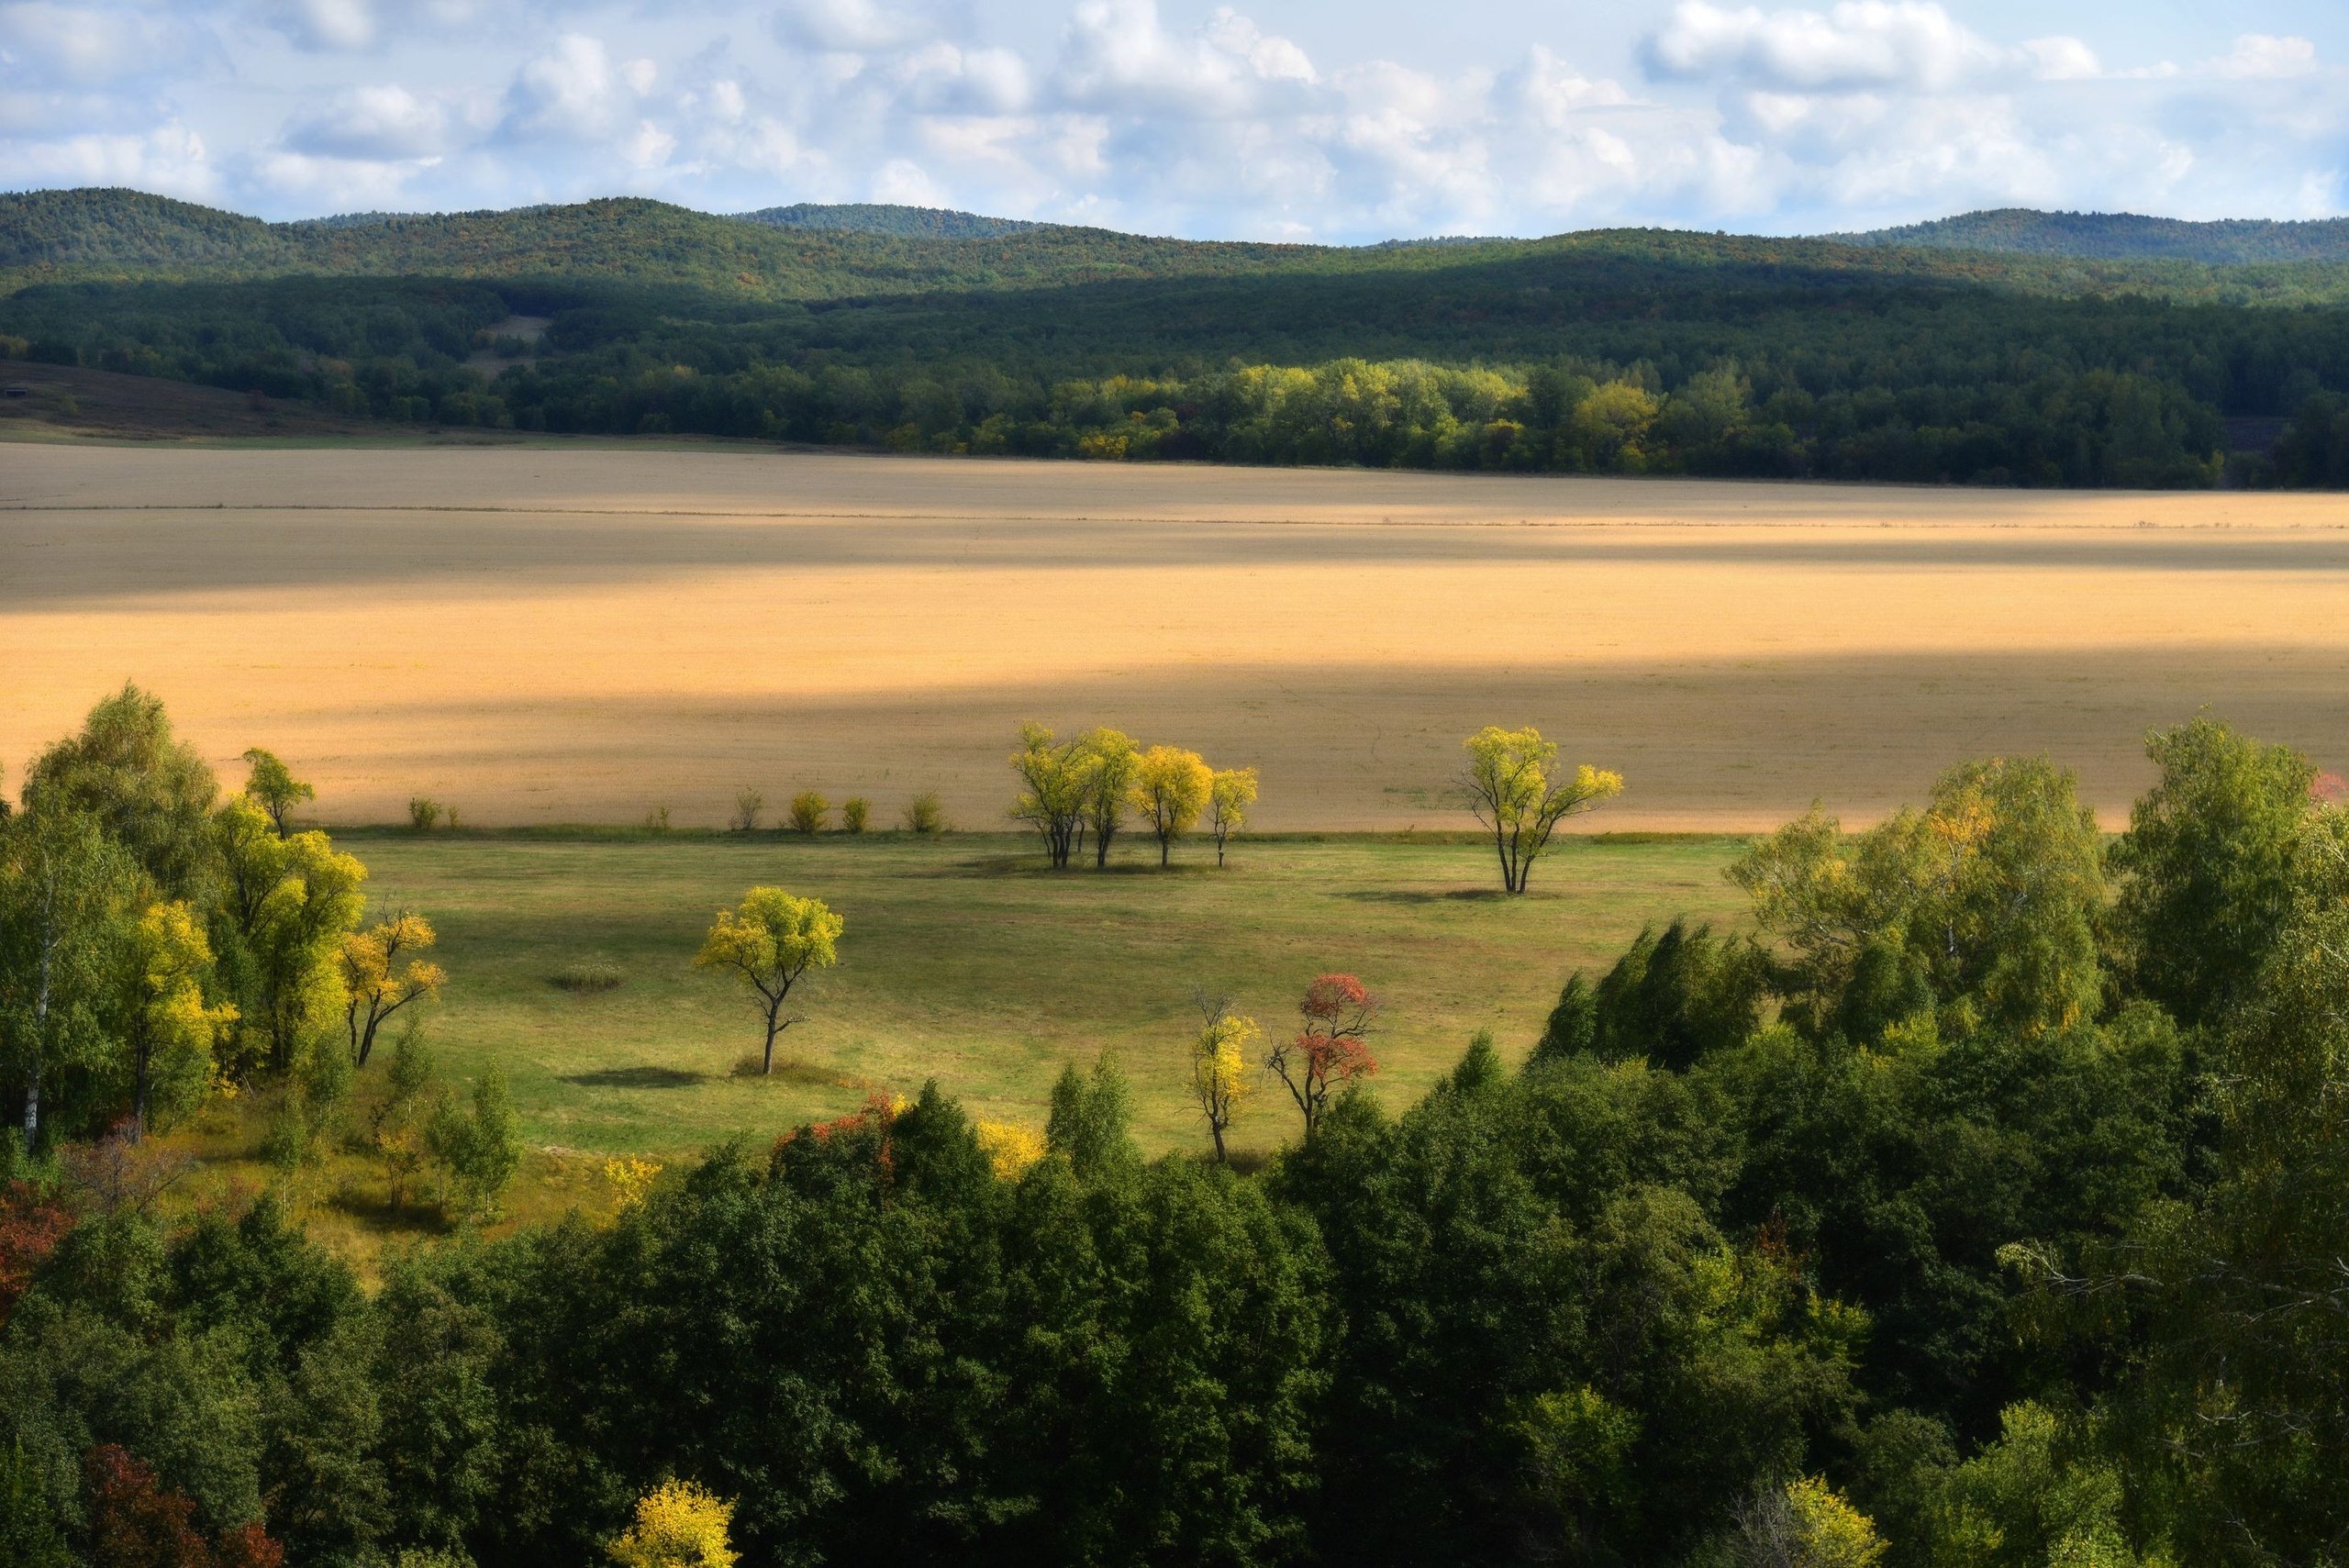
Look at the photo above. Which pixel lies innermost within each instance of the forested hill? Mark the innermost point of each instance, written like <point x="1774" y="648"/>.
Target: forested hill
<point x="2122" y="237"/>
<point x="812" y="252"/>
<point x="867" y="217"/>
<point x="117" y="234"/>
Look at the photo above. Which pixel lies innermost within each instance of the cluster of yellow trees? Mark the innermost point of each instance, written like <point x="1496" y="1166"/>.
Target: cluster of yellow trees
<point x="1092" y="785"/>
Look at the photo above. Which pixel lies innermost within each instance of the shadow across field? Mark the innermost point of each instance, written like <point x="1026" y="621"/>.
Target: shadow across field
<point x="636" y="1078"/>
<point x="1409" y="895"/>
<point x="77" y="557"/>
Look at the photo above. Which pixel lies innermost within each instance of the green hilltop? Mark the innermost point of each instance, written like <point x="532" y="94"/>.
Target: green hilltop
<point x="2123" y="237"/>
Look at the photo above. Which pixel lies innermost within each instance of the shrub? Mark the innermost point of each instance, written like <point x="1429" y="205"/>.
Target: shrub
<point x="748" y="804"/>
<point x="423" y="813"/>
<point x="808" y="810"/>
<point x="925" y="815"/>
<point x="479" y="1142"/>
<point x="657" y="819"/>
<point x="854" y="812"/>
<point x="588" y="976"/>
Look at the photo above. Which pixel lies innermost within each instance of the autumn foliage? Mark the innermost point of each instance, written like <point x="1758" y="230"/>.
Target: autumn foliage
<point x="134" y="1522"/>
<point x="1331" y="1050"/>
<point x="30" y="1228"/>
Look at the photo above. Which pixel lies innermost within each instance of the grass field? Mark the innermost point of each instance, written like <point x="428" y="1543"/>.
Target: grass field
<point x="966" y="962"/>
<point x="573" y="633"/>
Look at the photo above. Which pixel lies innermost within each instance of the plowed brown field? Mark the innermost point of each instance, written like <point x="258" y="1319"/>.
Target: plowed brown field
<point x="556" y="634"/>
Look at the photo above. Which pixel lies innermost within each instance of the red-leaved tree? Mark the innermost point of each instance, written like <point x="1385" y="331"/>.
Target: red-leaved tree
<point x="1331" y="1050"/>
<point x="30" y="1227"/>
<point x="136" y="1523"/>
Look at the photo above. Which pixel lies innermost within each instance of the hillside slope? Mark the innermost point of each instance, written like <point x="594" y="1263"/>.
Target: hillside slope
<point x="819" y="253"/>
<point x="869" y="218"/>
<point x="2120" y="237"/>
<point x="122" y="236"/>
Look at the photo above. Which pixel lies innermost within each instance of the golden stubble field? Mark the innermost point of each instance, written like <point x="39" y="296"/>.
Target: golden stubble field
<point x="554" y="633"/>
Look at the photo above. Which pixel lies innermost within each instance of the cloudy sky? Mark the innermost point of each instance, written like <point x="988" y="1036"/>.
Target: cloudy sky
<point x="1326" y="119"/>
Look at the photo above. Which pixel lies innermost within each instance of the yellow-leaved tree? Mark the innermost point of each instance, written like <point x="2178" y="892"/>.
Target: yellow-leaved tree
<point x="173" y="1029"/>
<point x="678" y="1524"/>
<point x="1223" y="1067"/>
<point x="376" y="991"/>
<point x="1054" y="779"/>
<point x="1111" y="762"/>
<point x="1512" y="788"/>
<point x="1010" y="1148"/>
<point x="293" y="901"/>
<point x="1170" y="790"/>
<point x="1230" y="793"/>
<point x="769" y="941"/>
<point x="1810" y="1526"/>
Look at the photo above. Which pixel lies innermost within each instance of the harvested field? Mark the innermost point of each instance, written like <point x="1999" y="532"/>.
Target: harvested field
<point x="551" y="633"/>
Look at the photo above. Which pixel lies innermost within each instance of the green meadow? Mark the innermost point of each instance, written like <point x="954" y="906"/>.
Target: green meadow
<point x="964" y="960"/>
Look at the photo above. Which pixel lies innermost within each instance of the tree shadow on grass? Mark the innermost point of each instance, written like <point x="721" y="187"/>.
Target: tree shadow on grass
<point x="636" y="1078"/>
<point x="1434" y="896"/>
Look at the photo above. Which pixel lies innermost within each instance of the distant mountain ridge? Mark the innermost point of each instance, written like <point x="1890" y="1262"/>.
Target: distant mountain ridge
<point x="2120" y="237"/>
<point x="813" y="252"/>
<point x="874" y="217"/>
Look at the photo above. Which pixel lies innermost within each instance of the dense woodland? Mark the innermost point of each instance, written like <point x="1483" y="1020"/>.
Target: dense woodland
<point x="1633" y="352"/>
<point x="1983" y="1207"/>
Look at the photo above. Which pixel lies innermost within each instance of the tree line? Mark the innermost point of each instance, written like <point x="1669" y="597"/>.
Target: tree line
<point x="1615" y="354"/>
<point x="1981" y="1206"/>
<point x="1093" y="785"/>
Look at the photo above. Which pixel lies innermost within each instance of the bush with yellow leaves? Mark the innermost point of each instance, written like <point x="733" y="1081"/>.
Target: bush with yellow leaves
<point x="678" y="1524"/>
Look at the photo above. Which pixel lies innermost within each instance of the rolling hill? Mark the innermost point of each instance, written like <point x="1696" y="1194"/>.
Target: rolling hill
<point x="2120" y="237"/>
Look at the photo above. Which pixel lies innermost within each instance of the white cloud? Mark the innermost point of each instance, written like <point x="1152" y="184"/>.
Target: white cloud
<point x="1858" y="44"/>
<point x="339" y="184"/>
<point x="325" y="24"/>
<point x="54" y="44"/>
<point x="171" y="160"/>
<point x="379" y="122"/>
<point x="575" y="91"/>
<point x="1116" y="55"/>
<point x="2262" y="57"/>
<point x="2062" y="59"/>
<point x="847" y="27"/>
<point x="940" y="77"/>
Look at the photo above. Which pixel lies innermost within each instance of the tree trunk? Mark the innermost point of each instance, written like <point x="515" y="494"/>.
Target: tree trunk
<point x="1164" y="843"/>
<point x="1217" y="1129"/>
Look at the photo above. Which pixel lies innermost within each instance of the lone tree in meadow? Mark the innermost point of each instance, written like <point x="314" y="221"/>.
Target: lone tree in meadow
<point x="1171" y="789"/>
<point x="1054" y="776"/>
<point x="1331" y="1051"/>
<point x="769" y="941"/>
<point x="273" y="789"/>
<point x="1222" y="1076"/>
<point x="1511" y="790"/>
<point x="1231" y="791"/>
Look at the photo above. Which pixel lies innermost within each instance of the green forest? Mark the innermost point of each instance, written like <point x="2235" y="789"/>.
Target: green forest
<point x="1980" y="1206"/>
<point x="1612" y="352"/>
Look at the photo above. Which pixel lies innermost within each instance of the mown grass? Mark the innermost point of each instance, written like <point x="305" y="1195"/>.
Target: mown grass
<point x="966" y="962"/>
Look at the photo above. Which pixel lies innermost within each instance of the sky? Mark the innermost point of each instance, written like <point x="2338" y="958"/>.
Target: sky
<point x="1338" y="120"/>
